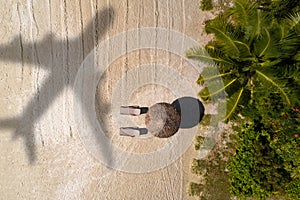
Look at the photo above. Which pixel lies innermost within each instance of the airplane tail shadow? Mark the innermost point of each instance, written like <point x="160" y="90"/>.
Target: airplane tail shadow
<point x="22" y="129"/>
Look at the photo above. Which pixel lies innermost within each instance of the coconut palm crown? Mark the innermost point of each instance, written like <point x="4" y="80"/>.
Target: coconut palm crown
<point x="255" y="54"/>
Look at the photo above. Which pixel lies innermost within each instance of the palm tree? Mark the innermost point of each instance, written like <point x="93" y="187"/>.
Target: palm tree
<point x="254" y="53"/>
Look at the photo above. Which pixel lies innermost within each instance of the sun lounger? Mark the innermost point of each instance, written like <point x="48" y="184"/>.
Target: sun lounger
<point x="129" y="131"/>
<point x="130" y="110"/>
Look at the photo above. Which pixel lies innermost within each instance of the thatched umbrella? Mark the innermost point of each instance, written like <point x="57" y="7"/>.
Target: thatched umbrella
<point x="162" y="120"/>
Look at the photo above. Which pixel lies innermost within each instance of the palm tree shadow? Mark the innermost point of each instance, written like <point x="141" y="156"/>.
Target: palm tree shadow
<point x="58" y="61"/>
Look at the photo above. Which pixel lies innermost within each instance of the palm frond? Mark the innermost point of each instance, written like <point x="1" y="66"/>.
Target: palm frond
<point x="206" y="95"/>
<point x="212" y="79"/>
<point x="279" y="9"/>
<point x="270" y="63"/>
<point x="244" y="48"/>
<point x="267" y="45"/>
<point x="199" y="53"/>
<point x="274" y="83"/>
<point x="232" y="103"/>
<point x="240" y="12"/>
<point x="255" y="25"/>
<point x="209" y="74"/>
<point x="258" y="20"/>
<point x="224" y="34"/>
<point x="246" y="15"/>
<point x="288" y="76"/>
<point x="289" y="45"/>
<point x="209" y="56"/>
<point x="290" y="42"/>
<point x="222" y="60"/>
<point x="293" y="20"/>
<point x="288" y="71"/>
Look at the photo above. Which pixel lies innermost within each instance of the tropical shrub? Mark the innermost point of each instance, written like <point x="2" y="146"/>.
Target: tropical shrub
<point x="195" y="189"/>
<point x="267" y="159"/>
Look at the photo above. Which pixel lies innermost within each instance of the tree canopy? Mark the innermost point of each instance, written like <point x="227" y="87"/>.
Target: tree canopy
<point x="254" y="53"/>
<point x="256" y="49"/>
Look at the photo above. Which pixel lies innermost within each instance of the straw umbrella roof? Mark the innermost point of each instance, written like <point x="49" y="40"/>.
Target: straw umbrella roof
<point x="162" y="120"/>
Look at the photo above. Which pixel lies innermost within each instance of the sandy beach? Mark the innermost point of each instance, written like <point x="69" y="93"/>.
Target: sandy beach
<point x="43" y="45"/>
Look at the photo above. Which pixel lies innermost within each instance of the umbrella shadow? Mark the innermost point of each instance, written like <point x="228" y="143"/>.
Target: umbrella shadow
<point x="191" y="110"/>
<point x="62" y="73"/>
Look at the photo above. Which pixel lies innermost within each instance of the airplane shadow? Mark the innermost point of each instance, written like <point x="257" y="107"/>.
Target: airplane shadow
<point x="59" y="62"/>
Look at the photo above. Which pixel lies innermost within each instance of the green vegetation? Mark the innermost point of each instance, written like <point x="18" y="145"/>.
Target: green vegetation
<point x="214" y="185"/>
<point x="216" y="5"/>
<point x="256" y="49"/>
<point x="206" y="5"/>
<point x="252" y="52"/>
<point x="267" y="159"/>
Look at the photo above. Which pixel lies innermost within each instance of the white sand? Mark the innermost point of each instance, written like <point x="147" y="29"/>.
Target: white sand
<point x="63" y="168"/>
